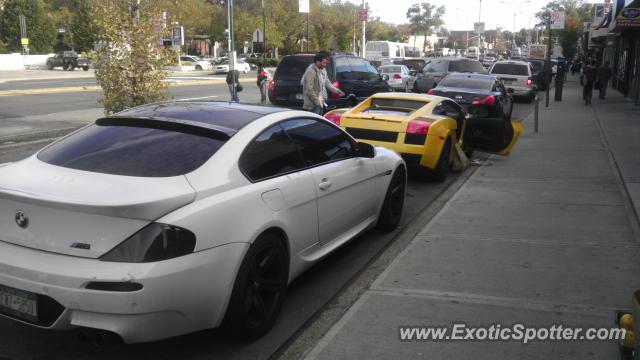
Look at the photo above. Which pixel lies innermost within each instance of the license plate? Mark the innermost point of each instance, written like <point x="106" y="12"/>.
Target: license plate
<point x="299" y="97"/>
<point x="18" y="303"/>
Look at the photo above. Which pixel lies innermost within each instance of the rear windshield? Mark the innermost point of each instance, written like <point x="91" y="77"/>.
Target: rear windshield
<point x="465" y="82"/>
<point x="391" y="69"/>
<point x="132" y="151"/>
<point x="393" y="106"/>
<point x="537" y="65"/>
<point x="510" y="69"/>
<point x="293" y="67"/>
<point x="414" y="64"/>
<point x="465" y="66"/>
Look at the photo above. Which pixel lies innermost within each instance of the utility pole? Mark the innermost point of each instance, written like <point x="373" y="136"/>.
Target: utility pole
<point x="479" y="34"/>
<point x="364" y="29"/>
<point x="547" y="64"/>
<point x="308" y="18"/>
<point x="264" y="35"/>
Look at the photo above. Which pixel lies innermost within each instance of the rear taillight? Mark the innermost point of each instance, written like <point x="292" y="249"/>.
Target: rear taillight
<point x="272" y="87"/>
<point x="431" y="92"/>
<point x="489" y="100"/>
<point x="397" y="76"/>
<point x="334" y="118"/>
<point x="335" y="84"/>
<point x="529" y="81"/>
<point x="418" y="127"/>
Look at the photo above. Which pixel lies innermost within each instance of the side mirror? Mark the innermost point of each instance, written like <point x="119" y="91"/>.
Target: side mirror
<point x="365" y="150"/>
<point x="509" y="91"/>
<point x="385" y="77"/>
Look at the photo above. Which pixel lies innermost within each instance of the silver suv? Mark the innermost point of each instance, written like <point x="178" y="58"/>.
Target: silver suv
<point x="516" y="75"/>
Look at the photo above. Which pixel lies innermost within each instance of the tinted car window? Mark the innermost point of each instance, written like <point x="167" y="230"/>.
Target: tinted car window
<point x="270" y="154"/>
<point x="319" y="142"/>
<point x="465" y="66"/>
<point x="393" y="106"/>
<point x="293" y="67"/>
<point x="361" y="70"/>
<point x="510" y="69"/>
<point x="391" y="69"/>
<point x="132" y="151"/>
<point x="537" y="65"/>
<point x="465" y="82"/>
<point x="414" y="64"/>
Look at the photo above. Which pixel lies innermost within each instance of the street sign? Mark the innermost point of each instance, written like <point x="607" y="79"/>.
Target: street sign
<point x="177" y="35"/>
<point x="363" y="14"/>
<point x="303" y="5"/>
<point x="24" y="41"/>
<point x="557" y="20"/>
<point x="258" y="36"/>
<point x="478" y="27"/>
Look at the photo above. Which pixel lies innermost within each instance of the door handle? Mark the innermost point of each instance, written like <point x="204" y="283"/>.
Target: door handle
<point x="324" y="184"/>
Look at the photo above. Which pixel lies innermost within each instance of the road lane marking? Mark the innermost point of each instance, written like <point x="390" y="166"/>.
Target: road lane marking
<point x="73" y="89"/>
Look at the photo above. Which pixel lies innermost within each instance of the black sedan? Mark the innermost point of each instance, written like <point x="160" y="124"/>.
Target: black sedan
<point x="482" y="96"/>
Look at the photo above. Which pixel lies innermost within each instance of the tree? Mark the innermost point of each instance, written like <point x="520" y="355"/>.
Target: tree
<point x="129" y="63"/>
<point x="423" y="17"/>
<point x="576" y="13"/>
<point x="40" y="29"/>
<point x="83" y="29"/>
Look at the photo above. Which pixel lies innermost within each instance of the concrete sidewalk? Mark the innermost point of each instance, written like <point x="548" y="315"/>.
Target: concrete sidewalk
<point x="546" y="236"/>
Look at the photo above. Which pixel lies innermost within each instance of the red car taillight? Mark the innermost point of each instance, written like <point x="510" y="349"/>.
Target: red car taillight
<point x="272" y="87"/>
<point x="418" y="127"/>
<point x="529" y="81"/>
<point x="489" y="100"/>
<point x="397" y="76"/>
<point x="334" y="118"/>
<point x="430" y="92"/>
<point x="334" y="95"/>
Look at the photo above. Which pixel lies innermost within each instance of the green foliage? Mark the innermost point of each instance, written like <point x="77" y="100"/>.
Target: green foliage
<point x="129" y="64"/>
<point x="40" y="27"/>
<point x="84" y="32"/>
<point x="424" y="17"/>
<point x="576" y="13"/>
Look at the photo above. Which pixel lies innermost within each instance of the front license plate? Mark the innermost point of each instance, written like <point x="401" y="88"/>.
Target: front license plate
<point x="299" y="97"/>
<point x="18" y="303"/>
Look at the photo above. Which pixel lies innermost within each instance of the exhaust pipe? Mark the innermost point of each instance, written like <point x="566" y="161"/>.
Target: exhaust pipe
<point x="99" y="338"/>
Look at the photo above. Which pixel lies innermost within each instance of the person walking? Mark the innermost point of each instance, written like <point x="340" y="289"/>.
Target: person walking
<point x="315" y="83"/>
<point x="604" y="74"/>
<point x="233" y="82"/>
<point x="589" y="81"/>
<point x="262" y="82"/>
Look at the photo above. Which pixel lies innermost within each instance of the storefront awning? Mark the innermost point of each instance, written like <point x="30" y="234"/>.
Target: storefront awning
<point x="629" y="17"/>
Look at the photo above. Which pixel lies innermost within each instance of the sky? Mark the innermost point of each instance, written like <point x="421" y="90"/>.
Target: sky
<point x="461" y="14"/>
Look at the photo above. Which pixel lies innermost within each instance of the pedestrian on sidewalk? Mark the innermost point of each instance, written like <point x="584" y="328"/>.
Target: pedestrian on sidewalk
<point x="315" y="83"/>
<point x="604" y="74"/>
<point x="262" y="82"/>
<point x="233" y="82"/>
<point x="589" y="82"/>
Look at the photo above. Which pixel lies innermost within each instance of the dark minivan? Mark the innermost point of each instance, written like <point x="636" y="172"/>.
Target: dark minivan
<point x="355" y="76"/>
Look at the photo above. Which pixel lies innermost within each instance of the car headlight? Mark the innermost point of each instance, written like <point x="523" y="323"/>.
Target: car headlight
<point x="154" y="242"/>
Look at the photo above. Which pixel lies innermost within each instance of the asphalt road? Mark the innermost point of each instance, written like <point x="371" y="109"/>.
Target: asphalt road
<point x="306" y="296"/>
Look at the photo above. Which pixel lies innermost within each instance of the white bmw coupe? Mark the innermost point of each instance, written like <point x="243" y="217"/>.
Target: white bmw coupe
<point x="175" y="217"/>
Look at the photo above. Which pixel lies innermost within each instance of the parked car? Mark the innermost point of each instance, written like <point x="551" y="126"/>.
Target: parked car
<point x="197" y="62"/>
<point x="355" y="76"/>
<point x="488" y="59"/>
<point x="540" y="78"/>
<point x="197" y="213"/>
<point x="399" y="77"/>
<point x="68" y="60"/>
<point x="480" y="95"/>
<point x="415" y="65"/>
<point x="223" y="67"/>
<point x="516" y="75"/>
<point x="437" y="69"/>
<point x="423" y="130"/>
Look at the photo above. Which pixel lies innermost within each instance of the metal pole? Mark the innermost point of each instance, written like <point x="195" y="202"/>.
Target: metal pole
<point x="229" y="29"/>
<point x="548" y="63"/>
<point x="264" y="35"/>
<point x="479" y="34"/>
<point x="535" y="118"/>
<point x="364" y="40"/>
<point x="308" y="38"/>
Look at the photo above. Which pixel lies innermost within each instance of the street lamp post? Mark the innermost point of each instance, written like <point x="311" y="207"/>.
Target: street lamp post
<point x="515" y="11"/>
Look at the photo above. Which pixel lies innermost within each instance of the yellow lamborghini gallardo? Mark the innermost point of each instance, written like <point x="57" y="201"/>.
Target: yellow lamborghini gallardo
<point x="423" y="128"/>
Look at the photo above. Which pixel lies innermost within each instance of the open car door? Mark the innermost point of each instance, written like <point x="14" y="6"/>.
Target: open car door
<point x="495" y="135"/>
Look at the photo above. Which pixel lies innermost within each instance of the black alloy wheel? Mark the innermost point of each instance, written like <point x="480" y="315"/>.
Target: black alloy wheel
<point x="259" y="290"/>
<point x="439" y="174"/>
<point x="391" y="211"/>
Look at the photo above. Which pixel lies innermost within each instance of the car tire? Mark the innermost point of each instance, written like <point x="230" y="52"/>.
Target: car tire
<point x="49" y="66"/>
<point x="65" y="67"/>
<point x="198" y="67"/>
<point x="259" y="289"/>
<point x="391" y="211"/>
<point x="439" y="174"/>
<point x="85" y="68"/>
<point x="530" y="97"/>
